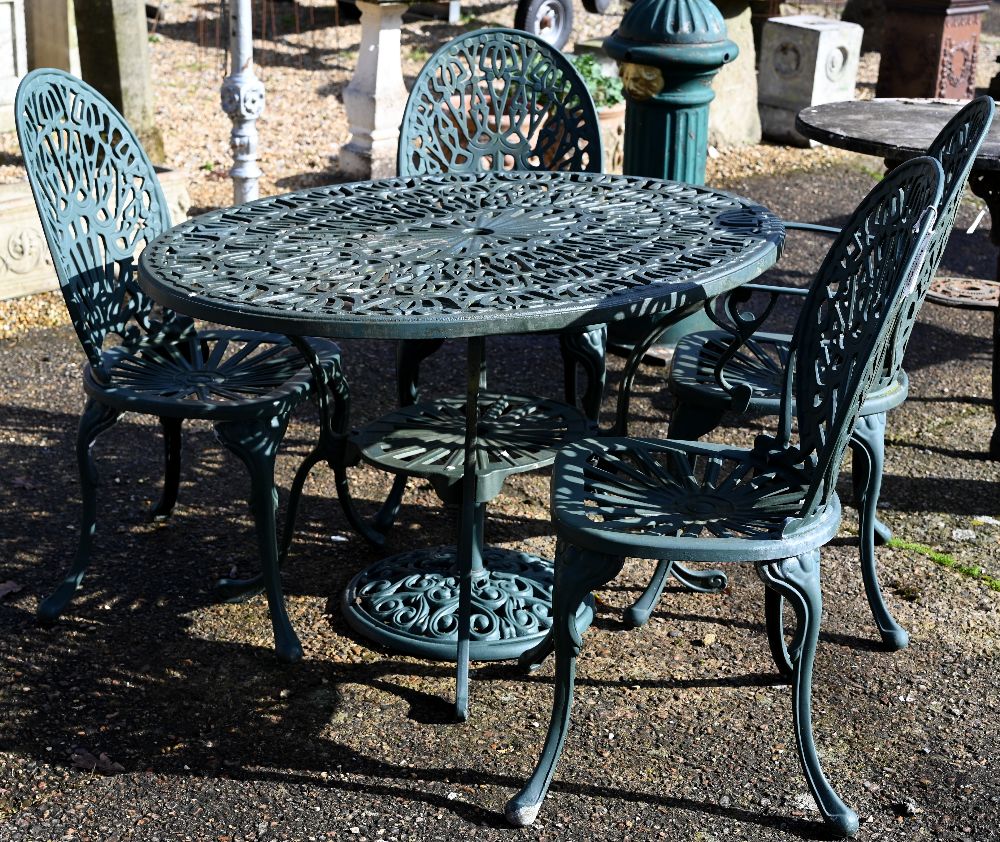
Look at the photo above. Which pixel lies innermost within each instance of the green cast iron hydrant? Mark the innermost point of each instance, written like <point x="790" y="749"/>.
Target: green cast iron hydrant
<point x="668" y="52"/>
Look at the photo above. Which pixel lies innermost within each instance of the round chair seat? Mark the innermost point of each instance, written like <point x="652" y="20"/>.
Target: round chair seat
<point x="759" y="364"/>
<point x="516" y="433"/>
<point x="684" y="501"/>
<point x="219" y="375"/>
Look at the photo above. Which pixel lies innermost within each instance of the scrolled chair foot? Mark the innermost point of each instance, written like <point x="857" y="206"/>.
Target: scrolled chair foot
<point x="520" y="814"/>
<point x="895" y="639"/>
<point x="54" y="604"/>
<point x="883" y="534"/>
<point x="845" y="823"/>
<point x="237" y="590"/>
<point x="287" y="649"/>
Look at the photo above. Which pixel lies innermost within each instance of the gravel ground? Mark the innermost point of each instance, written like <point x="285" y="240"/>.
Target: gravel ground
<point x="681" y="729"/>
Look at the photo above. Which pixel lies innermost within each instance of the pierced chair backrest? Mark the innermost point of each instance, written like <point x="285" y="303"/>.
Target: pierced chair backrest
<point x="956" y="147"/>
<point x="843" y="331"/>
<point x="98" y="198"/>
<point x="499" y="99"/>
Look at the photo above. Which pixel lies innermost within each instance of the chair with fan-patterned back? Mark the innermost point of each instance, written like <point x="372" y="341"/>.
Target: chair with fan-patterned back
<point x="100" y="203"/>
<point x="740" y="368"/>
<point x="773" y="505"/>
<point x="501" y="99"/>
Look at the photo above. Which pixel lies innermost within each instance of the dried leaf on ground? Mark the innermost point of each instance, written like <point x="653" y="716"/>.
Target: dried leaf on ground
<point x="10" y="586"/>
<point x="84" y="759"/>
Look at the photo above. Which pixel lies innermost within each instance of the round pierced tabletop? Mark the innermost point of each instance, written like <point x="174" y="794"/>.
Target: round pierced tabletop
<point x="896" y="129"/>
<point x="460" y="255"/>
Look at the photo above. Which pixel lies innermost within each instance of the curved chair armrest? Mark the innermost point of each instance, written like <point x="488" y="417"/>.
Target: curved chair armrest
<point x="741" y="325"/>
<point x="776" y="290"/>
<point x="792" y="225"/>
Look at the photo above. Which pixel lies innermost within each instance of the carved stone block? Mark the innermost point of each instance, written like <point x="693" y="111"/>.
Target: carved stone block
<point x="930" y="48"/>
<point x="376" y="96"/>
<point x="804" y="60"/>
<point x="25" y="263"/>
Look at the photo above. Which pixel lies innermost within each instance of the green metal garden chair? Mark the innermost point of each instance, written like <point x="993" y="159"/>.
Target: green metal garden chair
<point x="740" y="368"/>
<point x="773" y="505"/>
<point x="500" y="99"/>
<point x="100" y="203"/>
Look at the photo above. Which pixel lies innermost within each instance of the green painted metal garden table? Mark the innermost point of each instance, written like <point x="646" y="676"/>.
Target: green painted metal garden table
<point x="900" y="129"/>
<point x="469" y="256"/>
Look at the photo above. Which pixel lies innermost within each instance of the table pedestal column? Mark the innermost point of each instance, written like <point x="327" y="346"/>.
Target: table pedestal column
<point x="980" y="295"/>
<point x="986" y="185"/>
<point x="461" y="603"/>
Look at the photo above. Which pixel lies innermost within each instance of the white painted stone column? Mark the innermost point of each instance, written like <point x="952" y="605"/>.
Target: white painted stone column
<point x="376" y="96"/>
<point x="243" y="100"/>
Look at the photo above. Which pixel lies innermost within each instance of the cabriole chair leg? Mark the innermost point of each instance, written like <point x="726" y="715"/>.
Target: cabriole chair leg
<point x="171" y="469"/>
<point x="700" y="581"/>
<point x="586" y="348"/>
<point x="96" y="418"/>
<point x="577" y="573"/>
<point x="256" y="444"/>
<point x="798" y="581"/>
<point x="868" y="449"/>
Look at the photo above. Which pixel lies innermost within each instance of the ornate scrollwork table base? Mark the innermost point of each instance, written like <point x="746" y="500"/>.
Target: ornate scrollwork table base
<point x="409" y="603"/>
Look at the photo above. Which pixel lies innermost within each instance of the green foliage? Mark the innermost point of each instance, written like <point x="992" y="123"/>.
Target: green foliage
<point x="973" y="571"/>
<point x="606" y="90"/>
<point x="419" y="54"/>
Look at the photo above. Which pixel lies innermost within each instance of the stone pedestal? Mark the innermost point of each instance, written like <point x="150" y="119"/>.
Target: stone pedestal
<point x="929" y="48"/>
<point x="732" y="118"/>
<point x="25" y="263"/>
<point x="114" y="57"/>
<point x="804" y="60"/>
<point x="51" y="26"/>
<point x="13" y="58"/>
<point x="376" y="96"/>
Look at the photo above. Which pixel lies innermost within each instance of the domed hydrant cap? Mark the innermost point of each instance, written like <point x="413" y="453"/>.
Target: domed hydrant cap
<point x="672" y="33"/>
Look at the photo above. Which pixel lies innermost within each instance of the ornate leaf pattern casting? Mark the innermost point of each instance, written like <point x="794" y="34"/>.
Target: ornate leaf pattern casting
<point x="98" y="198"/>
<point x="440" y="252"/>
<point x="836" y="359"/>
<point x="514" y="602"/>
<point x="678" y="489"/>
<point x="955" y="147"/>
<point x="498" y="100"/>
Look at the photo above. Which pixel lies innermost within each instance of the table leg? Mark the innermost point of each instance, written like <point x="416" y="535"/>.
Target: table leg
<point x="470" y="539"/>
<point x="986" y="185"/>
<point x="639" y="350"/>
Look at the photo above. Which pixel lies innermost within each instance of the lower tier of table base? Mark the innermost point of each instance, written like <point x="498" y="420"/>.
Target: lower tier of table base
<point x="409" y="603"/>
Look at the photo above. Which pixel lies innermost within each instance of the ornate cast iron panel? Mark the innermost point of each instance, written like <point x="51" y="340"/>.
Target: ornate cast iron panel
<point x="461" y="255"/>
<point x="515" y="434"/>
<point x="409" y="602"/>
<point x="98" y="199"/>
<point x="499" y="99"/>
<point x="844" y="312"/>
